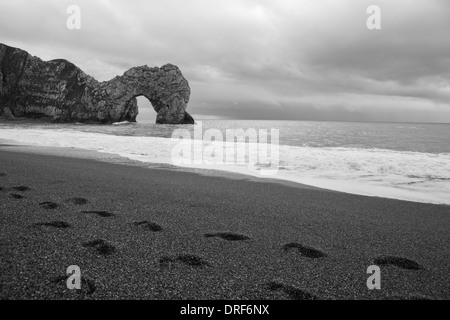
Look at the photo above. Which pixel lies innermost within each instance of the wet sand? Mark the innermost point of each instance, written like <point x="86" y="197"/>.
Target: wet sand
<point x="140" y="233"/>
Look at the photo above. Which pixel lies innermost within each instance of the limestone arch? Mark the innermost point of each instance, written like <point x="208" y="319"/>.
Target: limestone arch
<point x="66" y="94"/>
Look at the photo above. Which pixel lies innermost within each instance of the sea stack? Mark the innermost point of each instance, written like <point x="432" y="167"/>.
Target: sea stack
<point x="59" y="91"/>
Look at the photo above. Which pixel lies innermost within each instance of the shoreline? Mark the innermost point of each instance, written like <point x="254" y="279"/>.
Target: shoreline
<point x="118" y="159"/>
<point x="165" y="234"/>
<point x="121" y="160"/>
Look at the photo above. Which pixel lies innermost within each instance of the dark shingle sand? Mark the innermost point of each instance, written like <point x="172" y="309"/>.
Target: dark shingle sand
<point x="306" y="243"/>
<point x="227" y="236"/>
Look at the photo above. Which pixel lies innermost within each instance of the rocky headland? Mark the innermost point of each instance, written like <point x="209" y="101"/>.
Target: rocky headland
<point x="59" y="91"/>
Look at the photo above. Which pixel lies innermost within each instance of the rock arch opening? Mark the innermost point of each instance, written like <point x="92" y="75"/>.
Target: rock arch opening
<point x="146" y="112"/>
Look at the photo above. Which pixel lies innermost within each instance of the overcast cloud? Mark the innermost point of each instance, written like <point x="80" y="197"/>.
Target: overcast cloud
<point x="249" y="59"/>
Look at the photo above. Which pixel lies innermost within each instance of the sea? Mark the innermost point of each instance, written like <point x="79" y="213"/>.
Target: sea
<point x="406" y="161"/>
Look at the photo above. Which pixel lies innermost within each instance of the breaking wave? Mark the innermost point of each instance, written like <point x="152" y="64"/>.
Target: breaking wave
<point x="413" y="176"/>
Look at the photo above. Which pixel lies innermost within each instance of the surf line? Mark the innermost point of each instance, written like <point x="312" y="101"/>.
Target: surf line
<point x="197" y="310"/>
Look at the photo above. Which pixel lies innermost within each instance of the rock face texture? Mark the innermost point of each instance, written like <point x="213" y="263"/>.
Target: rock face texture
<point x="60" y="91"/>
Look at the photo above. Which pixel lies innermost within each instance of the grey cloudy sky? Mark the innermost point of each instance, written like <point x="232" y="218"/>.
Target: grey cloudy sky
<point x="250" y="59"/>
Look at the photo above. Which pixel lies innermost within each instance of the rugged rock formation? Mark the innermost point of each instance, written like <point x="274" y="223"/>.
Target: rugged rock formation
<point x="62" y="92"/>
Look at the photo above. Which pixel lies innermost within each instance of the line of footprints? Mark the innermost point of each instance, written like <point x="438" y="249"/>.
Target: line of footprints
<point x="104" y="248"/>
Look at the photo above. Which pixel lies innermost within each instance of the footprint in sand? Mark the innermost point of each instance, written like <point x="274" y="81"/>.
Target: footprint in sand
<point x="227" y="236"/>
<point x="399" y="262"/>
<point x="53" y="224"/>
<point x="304" y="251"/>
<point x="101" y="246"/>
<point x="16" y="196"/>
<point x="77" y="201"/>
<point x="151" y="226"/>
<point x="48" y="205"/>
<point x="291" y="291"/>
<point x="103" y="214"/>
<point x="87" y="285"/>
<point x="22" y="188"/>
<point x="187" y="259"/>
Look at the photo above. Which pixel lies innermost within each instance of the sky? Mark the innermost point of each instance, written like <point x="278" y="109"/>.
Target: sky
<point x="250" y="59"/>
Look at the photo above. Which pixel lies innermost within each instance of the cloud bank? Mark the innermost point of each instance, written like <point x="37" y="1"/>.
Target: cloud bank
<point x="259" y="59"/>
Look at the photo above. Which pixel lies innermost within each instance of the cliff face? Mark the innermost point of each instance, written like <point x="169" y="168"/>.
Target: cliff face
<point x="60" y="91"/>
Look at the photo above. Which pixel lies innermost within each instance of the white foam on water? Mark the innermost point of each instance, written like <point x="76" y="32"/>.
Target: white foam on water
<point x="413" y="176"/>
<point x="123" y="122"/>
